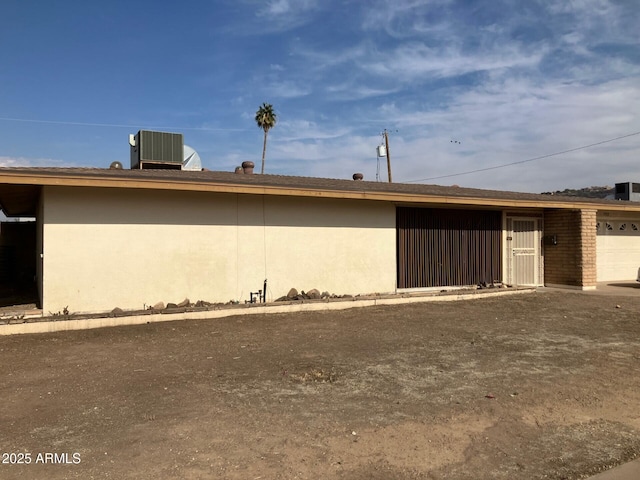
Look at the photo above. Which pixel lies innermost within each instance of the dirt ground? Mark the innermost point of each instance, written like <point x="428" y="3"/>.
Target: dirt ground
<point x="530" y="386"/>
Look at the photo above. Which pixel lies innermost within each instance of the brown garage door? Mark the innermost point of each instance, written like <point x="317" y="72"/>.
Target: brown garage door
<point x="437" y="247"/>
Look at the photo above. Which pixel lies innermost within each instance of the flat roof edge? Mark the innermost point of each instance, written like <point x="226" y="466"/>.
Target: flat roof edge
<point x="99" y="181"/>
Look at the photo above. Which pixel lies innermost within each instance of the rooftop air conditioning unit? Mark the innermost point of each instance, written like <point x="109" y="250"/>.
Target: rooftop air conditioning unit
<point x="628" y="191"/>
<point x="159" y="150"/>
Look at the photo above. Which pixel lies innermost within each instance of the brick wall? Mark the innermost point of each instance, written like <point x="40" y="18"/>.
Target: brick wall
<point x="588" y="234"/>
<point x="572" y="261"/>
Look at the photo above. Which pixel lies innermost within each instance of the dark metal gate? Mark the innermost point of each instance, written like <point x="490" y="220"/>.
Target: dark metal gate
<point x="437" y="247"/>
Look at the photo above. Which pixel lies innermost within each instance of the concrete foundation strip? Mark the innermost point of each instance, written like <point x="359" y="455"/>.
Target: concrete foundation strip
<point x="88" y="323"/>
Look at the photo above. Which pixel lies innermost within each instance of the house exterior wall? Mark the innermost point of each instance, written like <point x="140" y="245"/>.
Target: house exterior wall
<point x="106" y="248"/>
<point x="572" y="262"/>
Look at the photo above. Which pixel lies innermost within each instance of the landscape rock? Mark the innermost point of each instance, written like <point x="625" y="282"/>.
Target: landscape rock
<point x="314" y="294"/>
<point x="294" y="295"/>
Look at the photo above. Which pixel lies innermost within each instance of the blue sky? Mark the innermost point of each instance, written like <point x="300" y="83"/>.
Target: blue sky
<point x="509" y="80"/>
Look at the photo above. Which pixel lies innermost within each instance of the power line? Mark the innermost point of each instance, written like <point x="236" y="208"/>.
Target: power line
<point x="525" y="161"/>
<point x="117" y="125"/>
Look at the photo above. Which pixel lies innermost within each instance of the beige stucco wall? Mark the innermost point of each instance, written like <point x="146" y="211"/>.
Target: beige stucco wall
<point x="106" y="248"/>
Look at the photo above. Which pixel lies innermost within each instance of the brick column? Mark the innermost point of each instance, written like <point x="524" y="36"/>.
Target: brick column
<point x="572" y="262"/>
<point x="588" y="268"/>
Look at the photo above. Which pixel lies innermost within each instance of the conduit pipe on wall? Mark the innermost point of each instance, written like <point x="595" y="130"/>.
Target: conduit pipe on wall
<point x="260" y="295"/>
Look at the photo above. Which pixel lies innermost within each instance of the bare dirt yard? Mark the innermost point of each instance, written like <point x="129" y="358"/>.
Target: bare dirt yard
<point x="541" y="385"/>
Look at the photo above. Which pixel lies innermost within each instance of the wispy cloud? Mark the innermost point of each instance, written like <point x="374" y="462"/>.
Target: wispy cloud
<point x="31" y="162"/>
<point x="283" y="15"/>
<point x="327" y="58"/>
<point x="405" y="18"/>
<point x="286" y="89"/>
<point x="416" y="61"/>
<point x="353" y="91"/>
<point x="296" y="130"/>
<point x="278" y="8"/>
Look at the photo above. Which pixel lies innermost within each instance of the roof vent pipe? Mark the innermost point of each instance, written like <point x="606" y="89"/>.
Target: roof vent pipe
<point x="247" y="167"/>
<point x="358" y="176"/>
<point x="239" y="170"/>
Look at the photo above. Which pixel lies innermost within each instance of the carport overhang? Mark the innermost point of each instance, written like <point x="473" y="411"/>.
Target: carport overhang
<point x="18" y="200"/>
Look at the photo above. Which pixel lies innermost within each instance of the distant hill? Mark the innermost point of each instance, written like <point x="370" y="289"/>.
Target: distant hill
<point x="588" y="192"/>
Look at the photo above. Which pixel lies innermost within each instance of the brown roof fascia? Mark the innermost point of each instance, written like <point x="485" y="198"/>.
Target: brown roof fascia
<point x="97" y="178"/>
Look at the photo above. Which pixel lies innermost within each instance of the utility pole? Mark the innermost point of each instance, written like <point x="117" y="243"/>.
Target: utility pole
<point x="386" y="144"/>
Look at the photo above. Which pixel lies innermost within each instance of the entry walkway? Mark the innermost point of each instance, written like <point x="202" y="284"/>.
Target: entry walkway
<point x="628" y="471"/>
<point x="624" y="288"/>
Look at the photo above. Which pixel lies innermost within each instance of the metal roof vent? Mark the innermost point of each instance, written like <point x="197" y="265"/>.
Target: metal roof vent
<point x="358" y="176"/>
<point x="247" y="167"/>
<point x="115" y="166"/>
<point x="158" y="150"/>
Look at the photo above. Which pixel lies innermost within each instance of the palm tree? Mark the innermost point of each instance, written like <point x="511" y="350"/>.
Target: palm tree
<point x="266" y="120"/>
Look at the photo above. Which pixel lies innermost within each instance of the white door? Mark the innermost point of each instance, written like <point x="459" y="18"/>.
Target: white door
<point x="617" y="249"/>
<point x="523" y="251"/>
